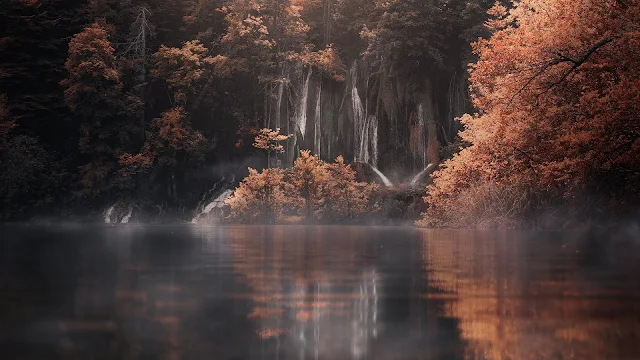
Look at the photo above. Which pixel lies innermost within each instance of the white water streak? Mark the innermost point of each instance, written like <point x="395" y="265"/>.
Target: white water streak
<point x="126" y="218"/>
<point x="317" y="141"/>
<point x="385" y="180"/>
<point x="107" y="215"/>
<point x="218" y="202"/>
<point x="359" y="118"/>
<point x="421" y="174"/>
<point x="301" y="118"/>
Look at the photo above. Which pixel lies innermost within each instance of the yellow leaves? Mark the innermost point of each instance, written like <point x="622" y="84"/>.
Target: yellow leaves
<point x="315" y="189"/>
<point x="90" y="63"/>
<point x="328" y="61"/>
<point x="226" y="67"/>
<point x="182" y="67"/>
<point x="498" y="14"/>
<point x="555" y="93"/>
<point x="270" y="140"/>
<point x="260" y="197"/>
<point x="173" y="131"/>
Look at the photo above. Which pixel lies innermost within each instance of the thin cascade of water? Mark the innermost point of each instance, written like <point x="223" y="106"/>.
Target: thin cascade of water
<point x="422" y="122"/>
<point x="126" y="218"/>
<point x="218" y="202"/>
<point x="213" y="197"/>
<point x="279" y="100"/>
<point x="365" y="126"/>
<point x="384" y="179"/>
<point x="317" y="141"/>
<point x="373" y="129"/>
<point x="107" y="215"/>
<point x="417" y="178"/>
<point x="301" y="116"/>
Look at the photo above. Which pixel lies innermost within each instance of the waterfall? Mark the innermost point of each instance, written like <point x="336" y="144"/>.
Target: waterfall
<point x="213" y="197"/>
<point x="317" y="141"/>
<point x="279" y="100"/>
<point x="359" y="119"/>
<point x="373" y="128"/>
<point x="421" y="174"/>
<point x="126" y="218"/>
<point x="217" y="203"/>
<point x="365" y="127"/>
<point x="107" y="215"/>
<point x="384" y="179"/>
<point x="301" y="116"/>
<point x="421" y="122"/>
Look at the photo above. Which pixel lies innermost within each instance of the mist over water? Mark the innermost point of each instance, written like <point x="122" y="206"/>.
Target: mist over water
<point x="278" y="292"/>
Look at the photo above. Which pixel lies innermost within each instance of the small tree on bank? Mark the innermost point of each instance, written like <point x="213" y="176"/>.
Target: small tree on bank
<point x="270" y="141"/>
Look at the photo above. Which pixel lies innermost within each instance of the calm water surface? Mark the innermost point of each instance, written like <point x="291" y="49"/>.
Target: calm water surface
<point x="71" y="292"/>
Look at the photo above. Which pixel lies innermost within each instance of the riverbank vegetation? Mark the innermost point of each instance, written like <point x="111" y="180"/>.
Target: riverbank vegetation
<point x="145" y="110"/>
<point x="312" y="189"/>
<point x="556" y="88"/>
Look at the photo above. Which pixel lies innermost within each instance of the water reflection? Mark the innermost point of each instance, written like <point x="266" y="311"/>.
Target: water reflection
<point x="314" y="298"/>
<point x="315" y="293"/>
<point x="535" y="299"/>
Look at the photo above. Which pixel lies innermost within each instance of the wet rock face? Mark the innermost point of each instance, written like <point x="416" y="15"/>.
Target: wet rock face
<point x="371" y="117"/>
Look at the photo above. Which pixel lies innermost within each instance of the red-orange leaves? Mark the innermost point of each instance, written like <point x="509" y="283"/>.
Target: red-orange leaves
<point x="182" y="68"/>
<point x="556" y="88"/>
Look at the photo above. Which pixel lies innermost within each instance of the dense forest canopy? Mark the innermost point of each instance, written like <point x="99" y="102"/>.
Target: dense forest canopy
<point x="155" y="103"/>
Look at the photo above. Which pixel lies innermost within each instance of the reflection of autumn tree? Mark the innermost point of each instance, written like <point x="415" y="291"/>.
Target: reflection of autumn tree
<point x="556" y="87"/>
<point x="295" y="296"/>
<point x="513" y="310"/>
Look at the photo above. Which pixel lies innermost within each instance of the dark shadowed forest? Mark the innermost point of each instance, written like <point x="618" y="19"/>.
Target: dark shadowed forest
<point x="447" y="113"/>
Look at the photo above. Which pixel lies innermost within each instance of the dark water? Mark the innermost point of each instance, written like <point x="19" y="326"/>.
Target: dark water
<point x="316" y="293"/>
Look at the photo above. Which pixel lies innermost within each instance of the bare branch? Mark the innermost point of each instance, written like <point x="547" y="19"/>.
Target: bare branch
<point x="561" y="59"/>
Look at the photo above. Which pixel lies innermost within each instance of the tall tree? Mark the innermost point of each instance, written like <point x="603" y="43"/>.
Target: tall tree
<point x="556" y="87"/>
<point x="95" y="94"/>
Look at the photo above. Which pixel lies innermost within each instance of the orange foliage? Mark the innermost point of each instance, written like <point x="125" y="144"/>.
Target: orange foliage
<point x="557" y="89"/>
<point x="318" y="190"/>
<point x="329" y="61"/>
<point x="259" y="197"/>
<point x="308" y="177"/>
<point x="91" y="65"/>
<point x="270" y="140"/>
<point x="344" y="197"/>
<point x="183" y="67"/>
<point x="170" y="133"/>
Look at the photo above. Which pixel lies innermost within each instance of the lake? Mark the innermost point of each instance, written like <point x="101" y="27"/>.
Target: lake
<point x="287" y="292"/>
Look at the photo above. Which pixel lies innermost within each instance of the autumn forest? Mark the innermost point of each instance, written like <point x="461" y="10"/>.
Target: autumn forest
<point x="439" y="113"/>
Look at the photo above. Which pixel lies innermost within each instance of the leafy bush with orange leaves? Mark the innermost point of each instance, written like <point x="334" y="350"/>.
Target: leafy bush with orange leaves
<point x="556" y="88"/>
<point x="260" y="197"/>
<point x="314" y="189"/>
